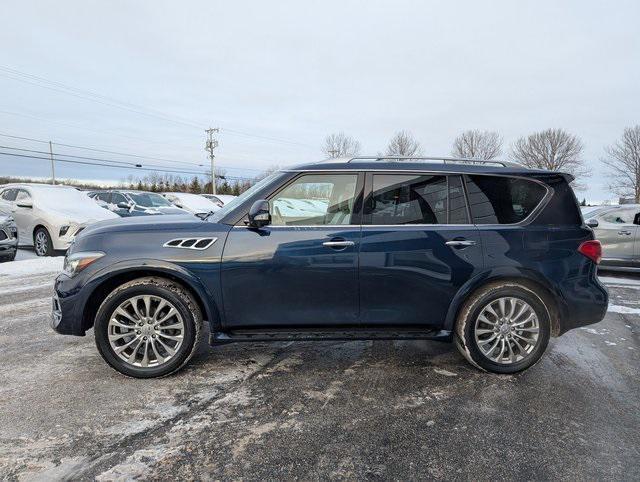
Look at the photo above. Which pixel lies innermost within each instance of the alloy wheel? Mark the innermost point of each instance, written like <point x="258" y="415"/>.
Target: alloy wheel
<point x="507" y="330"/>
<point x="146" y="331"/>
<point x="41" y="244"/>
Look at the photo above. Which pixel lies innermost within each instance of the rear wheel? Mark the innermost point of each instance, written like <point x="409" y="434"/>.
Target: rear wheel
<point x="42" y="243"/>
<point x="148" y="327"/>
<point x="503" y="328"/>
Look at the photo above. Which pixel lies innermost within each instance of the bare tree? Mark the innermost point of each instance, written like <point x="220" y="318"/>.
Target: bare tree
<point x="403" y="144"/>
<point x="340" y="145"/>
<point x="552" y="149"/>
<point x="624" y="161"/>
<point x="475" y="144"/>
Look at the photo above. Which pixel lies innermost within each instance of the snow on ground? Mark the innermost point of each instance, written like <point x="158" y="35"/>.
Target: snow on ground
<point x="26" y="267"/>
<point x="628" y="281"/>
<point x="623" y="309"/>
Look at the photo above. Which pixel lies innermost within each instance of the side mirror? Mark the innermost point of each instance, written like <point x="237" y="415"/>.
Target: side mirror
<point x="123" y="205"/>
<point x="259" y="215"/>
<point x="592" y="223"/>
<point x="25" y="204"/>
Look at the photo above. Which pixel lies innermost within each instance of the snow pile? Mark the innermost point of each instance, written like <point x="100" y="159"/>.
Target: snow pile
<point x="16" y="269"/>
<point x="626" y="310"/>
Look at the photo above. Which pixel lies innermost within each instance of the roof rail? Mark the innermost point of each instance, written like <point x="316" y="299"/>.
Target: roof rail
<point x="444" y="160"/>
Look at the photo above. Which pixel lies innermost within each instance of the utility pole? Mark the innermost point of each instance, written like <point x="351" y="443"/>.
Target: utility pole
<point x="53" y="167"/>
<point x="210" y="145"/>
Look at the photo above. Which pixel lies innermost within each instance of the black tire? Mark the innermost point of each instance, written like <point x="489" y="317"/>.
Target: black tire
<point x="472" y="308"/>
<point x="8" y="257"/>
<point x="168" y="290"/>
<point x="47" y="247"/>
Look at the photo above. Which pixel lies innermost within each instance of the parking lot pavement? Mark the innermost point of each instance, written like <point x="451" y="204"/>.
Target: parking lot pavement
<point x="343" y="410"/>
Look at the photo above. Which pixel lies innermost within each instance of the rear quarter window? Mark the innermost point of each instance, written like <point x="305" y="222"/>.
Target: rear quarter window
<point x="502" y="200"/>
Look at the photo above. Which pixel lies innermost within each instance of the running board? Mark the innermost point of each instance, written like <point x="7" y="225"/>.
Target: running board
<point x="306" y="334"/>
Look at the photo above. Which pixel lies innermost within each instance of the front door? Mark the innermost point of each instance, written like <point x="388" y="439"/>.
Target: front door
<point x="418" y="248"/>
<point x="302" y="269"/>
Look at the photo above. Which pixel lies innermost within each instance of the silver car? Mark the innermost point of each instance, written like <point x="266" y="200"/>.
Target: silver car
<point x="618" y="229"/>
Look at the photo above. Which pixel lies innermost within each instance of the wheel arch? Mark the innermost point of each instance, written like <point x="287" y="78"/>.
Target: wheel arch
<point x="530" y="279"/>
<point x="105" y="283"/>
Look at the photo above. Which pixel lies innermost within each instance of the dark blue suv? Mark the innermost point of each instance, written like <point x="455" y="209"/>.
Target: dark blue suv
<point x="491" y="255"/>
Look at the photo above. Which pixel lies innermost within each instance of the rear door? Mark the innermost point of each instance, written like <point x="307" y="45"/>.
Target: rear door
<point x="302" y="269"/>
<point x="618" y="235"/>
<point x="23" y="214"/>
<point x="418" y="248"/>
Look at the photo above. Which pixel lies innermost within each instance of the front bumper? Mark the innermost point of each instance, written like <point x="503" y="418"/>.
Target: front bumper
<point x="67" y="306"/>
<point x="8" y="241"/>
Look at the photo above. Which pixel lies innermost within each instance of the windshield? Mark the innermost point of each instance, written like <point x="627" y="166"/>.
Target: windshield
<point x="149" y="200"/>
<point x="237" y="201"/>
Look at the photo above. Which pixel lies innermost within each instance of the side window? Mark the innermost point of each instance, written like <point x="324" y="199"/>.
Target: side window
<point x="9" y="194"/>
<point x="315" y="200"/>
<point x="103" y="196"/>
<point x="621" y="216"/>
<point x="116" y="198"/>
<point x="22" y="195"/>
<point x="416" y="199"/>
<point x="502" y="200"/>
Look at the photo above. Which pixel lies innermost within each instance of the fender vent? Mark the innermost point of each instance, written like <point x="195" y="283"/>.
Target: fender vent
<point x="190" y="243"/>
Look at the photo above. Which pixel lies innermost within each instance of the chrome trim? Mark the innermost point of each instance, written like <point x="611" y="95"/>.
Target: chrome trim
<point x="460" y="242"/>
<point x="195" y="241"/>
<point x="338" y="244"/>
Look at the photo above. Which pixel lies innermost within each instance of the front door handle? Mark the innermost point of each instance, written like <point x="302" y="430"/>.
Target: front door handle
<point x="338" y="244"/>
<point x="624" y="232"/>
<point x="460" y="243"/>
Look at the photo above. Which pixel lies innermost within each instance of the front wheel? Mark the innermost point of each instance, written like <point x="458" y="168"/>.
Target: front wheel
<point x="42" y="242"/>
<point x="503" y="328"/>
<point x="148" y="327"/>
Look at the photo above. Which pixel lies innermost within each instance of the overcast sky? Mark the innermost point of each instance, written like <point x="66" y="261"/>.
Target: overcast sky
<point x="278" y="76"/>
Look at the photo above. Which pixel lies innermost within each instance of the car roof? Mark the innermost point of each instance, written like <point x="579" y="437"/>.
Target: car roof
<point x="431" y="164"/>
<point x="36" y="185"/>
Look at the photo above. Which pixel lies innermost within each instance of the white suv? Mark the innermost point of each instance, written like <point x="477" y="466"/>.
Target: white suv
<point x="48" y="217"/>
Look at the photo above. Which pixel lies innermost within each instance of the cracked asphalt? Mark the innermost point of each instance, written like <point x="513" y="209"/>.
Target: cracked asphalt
<point x="330" y="410"/>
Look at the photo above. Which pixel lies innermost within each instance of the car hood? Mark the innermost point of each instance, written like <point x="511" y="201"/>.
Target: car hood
<point x="146" y="223"/>
<point x="82" y="214"/>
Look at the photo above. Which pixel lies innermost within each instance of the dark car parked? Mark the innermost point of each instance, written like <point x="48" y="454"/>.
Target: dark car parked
<point x="491" y="255"/>
<point x="8" y="238"/>
<point x="134" y="203"/>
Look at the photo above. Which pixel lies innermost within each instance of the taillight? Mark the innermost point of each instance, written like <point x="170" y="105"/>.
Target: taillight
<point x="592" y="250"/>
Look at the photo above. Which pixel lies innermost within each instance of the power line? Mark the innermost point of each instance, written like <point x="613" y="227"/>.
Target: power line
<point x="112" y="102"/>
<point x="107" y="163"/>
<point x="138" y="156"/>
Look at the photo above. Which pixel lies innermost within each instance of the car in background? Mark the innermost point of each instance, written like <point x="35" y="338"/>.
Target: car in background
<point x="134" y="203"/>
<point x="8" y="238"/>
<point x="219" y="199"/>
<point x="618" y="229"/>
<point x="48" y="216"/>
<point x="194" y="203"/>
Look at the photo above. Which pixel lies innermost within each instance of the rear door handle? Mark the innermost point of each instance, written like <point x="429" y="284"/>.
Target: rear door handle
<point x="460" y="243"/>
<point x="628" y="233"/>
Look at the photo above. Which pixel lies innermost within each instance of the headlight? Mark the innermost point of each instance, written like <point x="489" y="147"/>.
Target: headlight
<point x="63" y="230"/>
<point x="76" y="262"/>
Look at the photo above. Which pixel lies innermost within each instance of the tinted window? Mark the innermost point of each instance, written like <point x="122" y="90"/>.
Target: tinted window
<point x="315" y="199"/>
<point x="103" y="196"/>
<point x="502" y="200"/>
<point x="417" y="199"/>
<point x="9" y="194"/>
<point x="149" y="199"/>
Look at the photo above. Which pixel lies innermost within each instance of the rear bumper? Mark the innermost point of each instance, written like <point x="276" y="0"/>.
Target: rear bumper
<point x="586" y="302"/>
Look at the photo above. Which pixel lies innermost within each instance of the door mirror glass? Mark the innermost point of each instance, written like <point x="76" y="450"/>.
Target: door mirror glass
<point x="259" y="215"/>
<point x="592" y="223"/>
